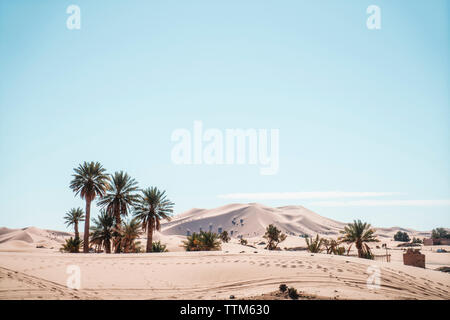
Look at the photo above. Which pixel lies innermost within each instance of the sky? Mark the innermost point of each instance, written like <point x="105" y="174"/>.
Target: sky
<point x="362" y="114"/>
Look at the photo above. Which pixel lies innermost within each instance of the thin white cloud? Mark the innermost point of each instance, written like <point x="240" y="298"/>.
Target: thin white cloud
<point x="305" y="195"/>
<point x="382" y="203"/>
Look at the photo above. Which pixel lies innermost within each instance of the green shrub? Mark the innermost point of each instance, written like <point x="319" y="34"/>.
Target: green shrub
<point x="340" y="251"/>
<point x="401" y="236"/>
<point x="293" y="294"/>
<point x="203" y="241"/>
<point x="224" y="236"/>
<point x="283" y="287"/>
<point x="157" y="246"/>
<point x="243" y="241"/>
<point x="72" y="245"/>
<point x="440" y="233"/>
<point x="314" y="246"/>
<point x="274" y="237"/>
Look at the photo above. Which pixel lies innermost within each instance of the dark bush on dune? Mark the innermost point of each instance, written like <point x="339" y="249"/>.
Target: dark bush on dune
<point x="274" y="236"/>
<point x="157" y="246"/>
<point x="72" y="245"/>
<point x="401" y="236"/>
<point x="224" y="236"/>
<point x="203" y="241"/>
<point x="293" y="294"/>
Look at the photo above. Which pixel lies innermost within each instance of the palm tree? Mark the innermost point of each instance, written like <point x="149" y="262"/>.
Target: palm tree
<point x="102" y="231"/>
<point x="118" y="200"/>
<point x="274" y="237"/>
<point x="131" y="230"/>
<point x="203" y="241"/>
<point x="151" y="208"/>
<point x="314" y="246"/>
<point x="192" y="242"/>
<point x="209" y="241"/>
<point x="90" y="181"/>
<point x="73" y="217"/>
<point x="331" y="246"/>
<point x="72" y="245"/>
<point x="359" y="233"/>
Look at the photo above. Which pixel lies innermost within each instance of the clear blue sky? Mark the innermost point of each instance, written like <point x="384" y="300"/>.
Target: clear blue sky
<point x="358" y="110"/>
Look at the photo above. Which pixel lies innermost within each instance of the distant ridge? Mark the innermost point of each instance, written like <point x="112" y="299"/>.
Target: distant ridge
<point x="251" y="220"/>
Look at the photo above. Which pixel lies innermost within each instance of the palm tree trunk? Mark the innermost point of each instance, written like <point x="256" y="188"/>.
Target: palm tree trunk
<point x="360" y="249"/>
<point x="86" y="226"/>
<point x="349" y="247"/>
<point x="108" y="246"/>
<point x="77" y="234"/>
<point x="117" y="240"/>
<point x="149" y="236"/>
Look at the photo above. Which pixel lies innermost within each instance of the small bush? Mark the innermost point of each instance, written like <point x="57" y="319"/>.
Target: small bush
<point x="283" y="287"/>
<point x="274" y="236"/>
<point x="72" y="245"/>
<point x="440" y="233"/>
<point x="157" y="246"/>
<point x="293" y="294"/>
<point x="340" y="251"/>
<point x="203" y="241"/>
<point x="401" y="236"/>
<point x="224" y="236"/>
<point x="243" y="241"/>
<point x="314" y="246"/>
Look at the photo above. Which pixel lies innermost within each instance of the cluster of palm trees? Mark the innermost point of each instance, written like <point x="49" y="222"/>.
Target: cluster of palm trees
<point x="357" y="233"/>
<point x="118" y="195"/>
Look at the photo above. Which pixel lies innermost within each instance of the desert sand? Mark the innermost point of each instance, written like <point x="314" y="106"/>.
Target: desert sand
<point x="31" y="267"/>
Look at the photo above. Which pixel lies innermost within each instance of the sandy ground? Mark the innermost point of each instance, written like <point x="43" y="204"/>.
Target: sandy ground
<point x="31" y="267"/>
<point x="211" y="275"/>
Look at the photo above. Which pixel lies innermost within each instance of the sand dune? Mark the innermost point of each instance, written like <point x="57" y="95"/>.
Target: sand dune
<point x="28" y="239"/>
<point x="251" y="220"/>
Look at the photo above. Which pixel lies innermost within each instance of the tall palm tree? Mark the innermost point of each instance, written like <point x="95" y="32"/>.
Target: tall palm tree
<point x="131" y="230"/>
<point x="73" y="217"/>
<point x="118" y="200"/>
<point x="359" y="233"/>
<point x="102" y="231"/>
<point x="152" y="207"/>
<point x="90" y="181"/>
